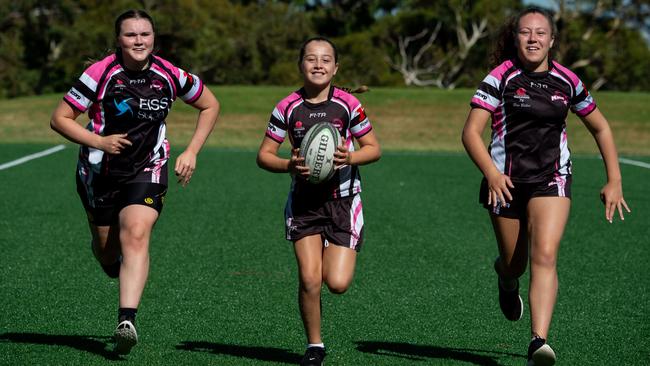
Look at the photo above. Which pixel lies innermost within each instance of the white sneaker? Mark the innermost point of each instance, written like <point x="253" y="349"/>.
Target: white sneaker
<point x="125" y="337"/>
<point x="540" y="353"/>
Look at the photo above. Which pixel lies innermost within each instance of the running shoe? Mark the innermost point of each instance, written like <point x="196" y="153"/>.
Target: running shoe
<point x="314" y="356"/>
<point x="540" y="353"/>
<point x="512" y="306"/>
<point x="125" y="337"/>
<point x="112" y="270"/>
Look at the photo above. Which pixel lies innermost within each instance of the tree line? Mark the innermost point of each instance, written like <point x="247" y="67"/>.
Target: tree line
<point x="44" y="45"/>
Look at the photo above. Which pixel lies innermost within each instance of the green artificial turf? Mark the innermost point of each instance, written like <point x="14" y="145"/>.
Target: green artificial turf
<point x="223" y="281"/>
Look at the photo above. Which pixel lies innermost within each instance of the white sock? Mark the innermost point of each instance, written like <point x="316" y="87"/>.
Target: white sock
<point x="321" y="345"/>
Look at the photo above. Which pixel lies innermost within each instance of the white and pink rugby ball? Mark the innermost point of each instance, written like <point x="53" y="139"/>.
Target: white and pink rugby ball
<point x="318" y="147"/>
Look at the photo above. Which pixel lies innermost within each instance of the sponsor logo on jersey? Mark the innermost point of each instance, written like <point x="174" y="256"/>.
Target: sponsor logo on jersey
<point x="156" y="84"/>
<point x="480" y="94"/>
<point x="559" y="96"/>
<point x="119" y="84"/>
<point x="363" y="125"/>
<point x="298" y="130"/>
<point x="317" y="115"/>
<point x="137" y="81"/>
<point x="148" y="201"/>
<point x="154" y="104"/>
<point x="521" y="94"/>
<point x="189" y="77"/>
<point x="123" y="106"/>
<point x="538" y="85"/>
<point x="338" y="123"/>
<point x="522" y="97"/>
<point x="75" y="94"/>
<point x="362" y="113"/>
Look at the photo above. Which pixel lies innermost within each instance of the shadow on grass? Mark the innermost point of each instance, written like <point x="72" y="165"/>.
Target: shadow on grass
<point x="269" y="354"/>
<point x="92" y="344"/>
<point x="422" y="353"/>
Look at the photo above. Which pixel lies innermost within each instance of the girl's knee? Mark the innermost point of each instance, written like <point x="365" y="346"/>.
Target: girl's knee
<point x="544" y="258"/>
<point x="135" y="236"/>
<point x="513" y="269"/>
<point x="310" y="283"/>
<point x="338" y="285"/>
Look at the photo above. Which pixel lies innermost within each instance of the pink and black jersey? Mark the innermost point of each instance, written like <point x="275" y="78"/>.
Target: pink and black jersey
<point x="294" y="116"/>
<point x="529" y="110"/>
<point x="119" y="100"/>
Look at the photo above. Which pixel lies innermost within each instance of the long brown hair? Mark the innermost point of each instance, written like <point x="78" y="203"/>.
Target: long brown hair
<point x="505" y="47"/>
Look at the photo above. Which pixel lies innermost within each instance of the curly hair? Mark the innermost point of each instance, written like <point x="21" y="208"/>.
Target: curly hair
<point x="505" y="47"/>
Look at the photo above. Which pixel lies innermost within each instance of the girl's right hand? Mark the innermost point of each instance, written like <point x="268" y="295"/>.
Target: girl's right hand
<point x="114" y="144"/>
<point x="297" y="164"/>
<point x="498" y="193"/>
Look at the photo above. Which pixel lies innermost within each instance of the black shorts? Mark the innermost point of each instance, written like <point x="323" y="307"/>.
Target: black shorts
<point x="559" y="186"/>
<point x="104" y="197"/>
<point x="339" y="221"/>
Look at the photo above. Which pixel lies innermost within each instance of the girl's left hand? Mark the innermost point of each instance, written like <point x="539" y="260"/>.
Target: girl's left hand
<point x="185" y="165"/>
<point x="342" y="157"/>
<point x="612" y="197"/>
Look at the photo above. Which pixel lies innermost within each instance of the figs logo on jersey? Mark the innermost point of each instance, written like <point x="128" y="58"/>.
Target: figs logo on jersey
<point x="148" y="201"/>
<point x="521" y="94"/>
<point x="522" y="97"/>
<point x="123" y="107"/>
<point x="337" y="123"/>
<point x="119" y="85"/>
<point x="156" y="84"/>
<point x="559" y="96"/>
<point x="298" y="130"/>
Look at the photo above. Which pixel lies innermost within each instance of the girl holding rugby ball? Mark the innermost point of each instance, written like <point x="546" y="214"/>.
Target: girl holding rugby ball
<point x="324" y="221"/>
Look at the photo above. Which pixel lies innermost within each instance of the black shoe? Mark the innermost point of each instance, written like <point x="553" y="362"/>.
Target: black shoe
<point x="314" y="356"/>
<point x="510" y="302"/>
<point x="540" y="353"/>
<point x="112" y="270"/>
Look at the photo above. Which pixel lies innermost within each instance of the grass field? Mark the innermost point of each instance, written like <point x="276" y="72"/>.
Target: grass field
<point x="222" y="287"/>
<point x="405" y="119"/>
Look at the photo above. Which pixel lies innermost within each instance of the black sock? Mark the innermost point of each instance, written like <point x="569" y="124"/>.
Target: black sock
<point x="126" y="314"/>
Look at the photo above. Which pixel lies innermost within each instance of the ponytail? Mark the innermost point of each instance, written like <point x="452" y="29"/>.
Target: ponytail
<point x="359" y="90"/>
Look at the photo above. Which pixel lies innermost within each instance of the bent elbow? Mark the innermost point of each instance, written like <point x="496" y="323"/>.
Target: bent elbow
<point x="54" y="125"/>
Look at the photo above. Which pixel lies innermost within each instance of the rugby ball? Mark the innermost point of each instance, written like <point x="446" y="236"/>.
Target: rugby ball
<point x="318" y="147"/>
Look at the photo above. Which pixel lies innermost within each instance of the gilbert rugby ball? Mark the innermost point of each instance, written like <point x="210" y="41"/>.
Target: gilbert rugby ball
<point x="318" y="147"/>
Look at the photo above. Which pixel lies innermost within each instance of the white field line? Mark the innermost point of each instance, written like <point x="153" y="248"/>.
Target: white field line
<point x="27" y="158"/>
<point x="634" y="162"/>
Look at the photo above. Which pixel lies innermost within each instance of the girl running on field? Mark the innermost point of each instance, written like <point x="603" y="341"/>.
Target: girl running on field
<point x="527" y="170"/>
<point x="324" y="221"/>
<point x="122" y="169"/>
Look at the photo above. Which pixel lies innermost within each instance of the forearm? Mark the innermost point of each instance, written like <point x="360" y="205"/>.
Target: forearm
<point x="204" y="126"/>
<point x="271" y="162"/>
<point x="74" y="132"/>
<point x="479" y="154"/>
<point x="605" y="141"/>
<point x="365" y="155"/>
